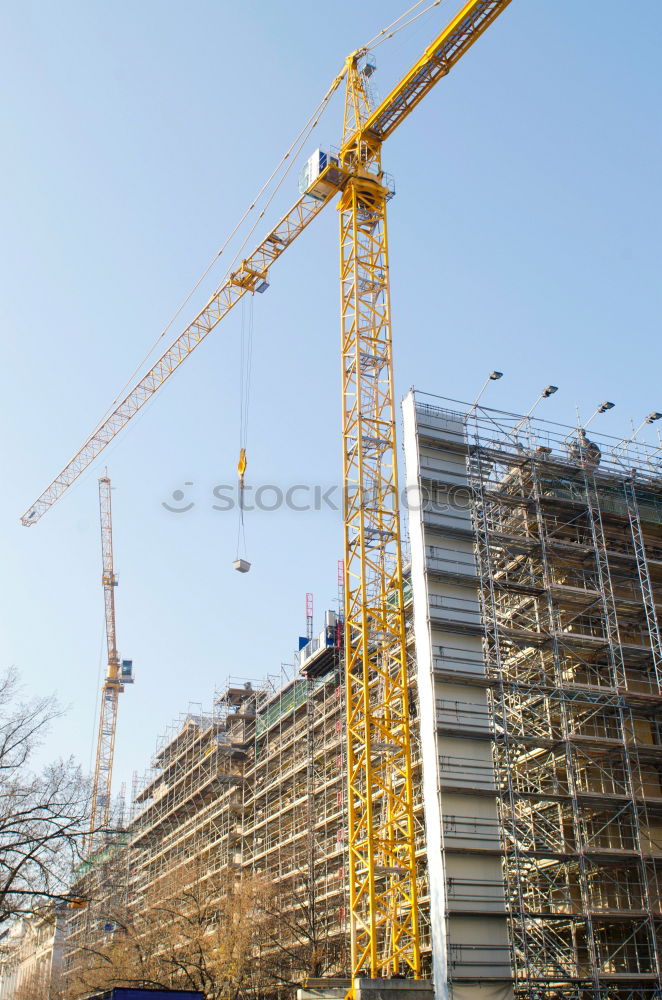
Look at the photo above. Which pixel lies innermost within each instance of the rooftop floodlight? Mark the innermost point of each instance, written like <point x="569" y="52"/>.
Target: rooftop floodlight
<point x="650" y="419"/>
<point x="548" y="391"/>
<point x="602" y="408"/>
<point x="492" y="377"/>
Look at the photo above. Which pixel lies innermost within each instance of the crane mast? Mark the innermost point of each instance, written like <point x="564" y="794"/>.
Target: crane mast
<point x="114" y="680"/>
<point x="382" y="862"/>
<point x="384" y="927"/>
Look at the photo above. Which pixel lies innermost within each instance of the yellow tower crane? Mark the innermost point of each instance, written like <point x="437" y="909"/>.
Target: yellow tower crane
<point x="118" y="673"/>
<point x="385" y="933"/>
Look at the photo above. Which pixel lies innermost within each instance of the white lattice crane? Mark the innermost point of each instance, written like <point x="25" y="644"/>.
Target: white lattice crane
<point x="118" y="673"/>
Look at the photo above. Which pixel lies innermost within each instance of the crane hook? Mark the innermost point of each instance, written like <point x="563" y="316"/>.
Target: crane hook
<point x="241" y="468"/>
<point x="241" y="565"/>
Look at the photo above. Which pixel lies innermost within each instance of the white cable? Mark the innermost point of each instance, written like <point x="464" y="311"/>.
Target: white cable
<point x="388" y="27"/>
<point x="386" y="33"/>
<point x="310" y="124"/>
<point x="278" y="186"/>
<point x="97" y="703"/>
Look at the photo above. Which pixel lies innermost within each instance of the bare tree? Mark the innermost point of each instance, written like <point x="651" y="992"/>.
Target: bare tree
<point x="195" y="929"/>
<point x="38" y="986"/>
<point x="42" y="814"/>
<point x="301" y="934"/>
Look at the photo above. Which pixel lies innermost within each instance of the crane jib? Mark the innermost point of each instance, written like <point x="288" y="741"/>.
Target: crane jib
<point x="250" y="277"/>
<point x="435" y="63"/>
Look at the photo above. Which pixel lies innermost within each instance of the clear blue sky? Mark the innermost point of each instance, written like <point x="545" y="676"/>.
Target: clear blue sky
<point x="525" y="235"/>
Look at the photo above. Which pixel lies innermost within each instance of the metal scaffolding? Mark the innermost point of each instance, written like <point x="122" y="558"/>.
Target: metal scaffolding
<point x="191" y="801"/>
<point x="568" y="537"/>
<point x="102" y="890"/>
<point x="255" y="786"/>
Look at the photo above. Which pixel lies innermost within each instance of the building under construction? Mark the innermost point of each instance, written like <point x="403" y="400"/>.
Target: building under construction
<point x="257" y="786"/>
<point x="536" y="568"/>
<point x="536" y="662"/>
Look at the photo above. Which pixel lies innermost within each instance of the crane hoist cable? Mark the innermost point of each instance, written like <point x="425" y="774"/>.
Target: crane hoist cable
<point x="287" y="160"/>
<point x="245" y="373"/>
<point x="98" y="682"/>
